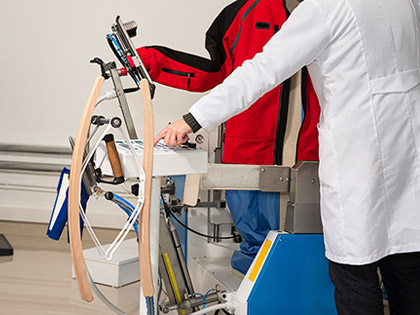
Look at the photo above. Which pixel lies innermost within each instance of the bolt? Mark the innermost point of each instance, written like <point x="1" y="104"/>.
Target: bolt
<point x="199" y="139"/>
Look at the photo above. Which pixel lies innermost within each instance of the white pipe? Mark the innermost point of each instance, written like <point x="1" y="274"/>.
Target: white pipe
<point x="107" y="96"/>
<point x="210" y="309"/>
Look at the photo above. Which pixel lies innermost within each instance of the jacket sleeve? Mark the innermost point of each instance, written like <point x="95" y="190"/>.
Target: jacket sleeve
<point x="175" y="69"/>
<point x="190" y="72"/>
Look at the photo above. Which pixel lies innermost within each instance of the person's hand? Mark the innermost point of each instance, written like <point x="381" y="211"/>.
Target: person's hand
<point x="174" y="134"/>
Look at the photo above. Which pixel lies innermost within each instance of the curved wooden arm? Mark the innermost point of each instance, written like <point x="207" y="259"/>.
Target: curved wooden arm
<point x="74" y="195"/>
<point x="144" y="237"/>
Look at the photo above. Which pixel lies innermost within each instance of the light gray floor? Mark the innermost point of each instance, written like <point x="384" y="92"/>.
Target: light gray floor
<point x="37" y="278"/>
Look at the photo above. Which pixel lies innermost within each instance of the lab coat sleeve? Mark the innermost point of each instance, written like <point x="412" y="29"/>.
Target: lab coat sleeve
<point x="303" y="37"/>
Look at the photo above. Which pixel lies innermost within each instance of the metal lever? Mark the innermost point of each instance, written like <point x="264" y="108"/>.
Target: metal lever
<point x="101" y="63"/>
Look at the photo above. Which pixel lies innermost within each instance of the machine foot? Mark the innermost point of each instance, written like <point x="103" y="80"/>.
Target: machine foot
<point x="5" y="248"/>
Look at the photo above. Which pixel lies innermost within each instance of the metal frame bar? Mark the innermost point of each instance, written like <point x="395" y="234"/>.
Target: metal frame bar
<point x="33" y="149"/>
<point x="128" y="119"/>
<point x="30" y="167"/>
<point x="246" y="177"/>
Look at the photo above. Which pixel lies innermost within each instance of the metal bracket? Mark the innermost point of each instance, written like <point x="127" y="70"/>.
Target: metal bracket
<point x="246" y="177"/>
<point x="274" y="178"/>
<point x="303" y="211"/>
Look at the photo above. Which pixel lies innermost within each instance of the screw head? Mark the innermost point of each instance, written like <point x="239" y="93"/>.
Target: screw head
<point x="199" y="139"/>
<point x="116" y="122"/>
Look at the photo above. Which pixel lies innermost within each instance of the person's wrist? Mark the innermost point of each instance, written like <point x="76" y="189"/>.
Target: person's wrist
<point x="192" y="122"/>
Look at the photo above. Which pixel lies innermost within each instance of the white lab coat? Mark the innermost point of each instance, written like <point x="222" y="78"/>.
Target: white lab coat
<point x="363" y="58"/>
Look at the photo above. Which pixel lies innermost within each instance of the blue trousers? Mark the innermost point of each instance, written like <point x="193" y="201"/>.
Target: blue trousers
<point x="254" y="214"/>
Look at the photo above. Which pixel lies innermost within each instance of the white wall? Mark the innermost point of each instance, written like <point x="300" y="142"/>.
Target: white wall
<point x="46" y="78"/>
<point x="46" y="48"/>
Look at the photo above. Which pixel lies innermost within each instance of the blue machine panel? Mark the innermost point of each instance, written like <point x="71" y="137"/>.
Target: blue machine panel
<point x="294" y="279"/>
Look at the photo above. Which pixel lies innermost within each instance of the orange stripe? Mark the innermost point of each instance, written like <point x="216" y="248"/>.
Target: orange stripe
<point x="260" y="260"/>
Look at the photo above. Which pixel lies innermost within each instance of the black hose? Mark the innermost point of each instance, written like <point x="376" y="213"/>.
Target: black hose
<point x="198" y="233"/>
<point x="169" y="212"/>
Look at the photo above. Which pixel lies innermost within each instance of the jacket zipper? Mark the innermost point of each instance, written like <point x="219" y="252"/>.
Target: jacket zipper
<point x="281" y="122"/>
<point x="180" y="73"/>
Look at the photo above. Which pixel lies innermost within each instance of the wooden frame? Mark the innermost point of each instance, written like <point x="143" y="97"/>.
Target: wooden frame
<point x="144" y="236"/>
<point x="74" y="193"/>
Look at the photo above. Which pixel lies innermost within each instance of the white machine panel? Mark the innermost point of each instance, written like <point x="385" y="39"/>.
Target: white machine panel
<point x="167" y="160"/>
<point x="122" y="269"/>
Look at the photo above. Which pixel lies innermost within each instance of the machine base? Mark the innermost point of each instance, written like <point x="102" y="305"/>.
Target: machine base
<point x="122" y="269"/>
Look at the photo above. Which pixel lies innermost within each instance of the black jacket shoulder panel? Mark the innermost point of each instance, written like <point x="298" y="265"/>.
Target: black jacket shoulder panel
<point x="214" y="42"/>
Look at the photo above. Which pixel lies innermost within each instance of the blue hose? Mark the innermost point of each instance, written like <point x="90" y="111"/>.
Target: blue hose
<point x="127" y="207"/>
<point x="150" y="305"/>
<point x="117" y="46"/>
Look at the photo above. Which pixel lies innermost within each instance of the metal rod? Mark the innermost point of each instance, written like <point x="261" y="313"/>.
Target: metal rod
<point x="210" y="204"/>
<point x="123" y="104"/>
<point x="44" y="189"/>
<point x="198" y="301"/>
<point x="30" y="167"/>
<point x="32" y="149"/>
<point x="181" y="257"/>
<point x="216" y="232"/>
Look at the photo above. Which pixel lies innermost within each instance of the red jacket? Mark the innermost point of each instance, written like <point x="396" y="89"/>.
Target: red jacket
<point x="239" y="32"/>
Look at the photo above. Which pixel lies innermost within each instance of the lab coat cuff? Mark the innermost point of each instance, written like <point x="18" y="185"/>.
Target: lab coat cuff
<point x="199" y="117"/>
